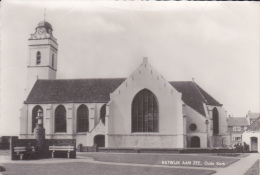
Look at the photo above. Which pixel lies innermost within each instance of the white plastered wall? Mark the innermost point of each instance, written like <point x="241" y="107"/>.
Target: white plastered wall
<point x="193" y="117"/>
<point x="71" y="114"/>
<point x="118" y="122"/>
<point x="246" y="137"/>
<point x="217" y="140"/>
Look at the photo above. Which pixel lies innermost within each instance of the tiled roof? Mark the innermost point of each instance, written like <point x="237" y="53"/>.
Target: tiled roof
<point x="98" y="91"/>
<point x="253" y="115"/>
<point x="237" y="121"/>
<point x="194" y="96"/>
<point x="255" y="126"/>
<point x="73" y="91"/>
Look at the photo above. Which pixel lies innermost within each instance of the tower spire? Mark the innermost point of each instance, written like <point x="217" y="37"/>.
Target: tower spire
<point x="44" y="14"/>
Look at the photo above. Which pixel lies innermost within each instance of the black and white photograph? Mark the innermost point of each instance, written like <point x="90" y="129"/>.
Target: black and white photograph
<point x="130" y="87"/>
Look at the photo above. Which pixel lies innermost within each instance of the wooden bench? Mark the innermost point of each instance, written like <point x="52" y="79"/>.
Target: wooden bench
<point x="61" y="148"/>
<point x="21" y="150"/>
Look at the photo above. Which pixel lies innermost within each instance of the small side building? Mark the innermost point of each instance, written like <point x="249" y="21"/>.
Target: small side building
<point x="252" y="136"/>
<point x="236" y="127"/>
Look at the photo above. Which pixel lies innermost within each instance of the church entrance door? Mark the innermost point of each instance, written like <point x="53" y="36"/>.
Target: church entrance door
<point x="254" y="144"/>
<point x="99" y="140"/>
<point x="195" y="142"/>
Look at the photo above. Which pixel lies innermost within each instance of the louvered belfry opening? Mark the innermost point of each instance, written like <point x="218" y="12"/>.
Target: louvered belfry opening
<point x="38" y="58"/>
<point x="145" y="112"/>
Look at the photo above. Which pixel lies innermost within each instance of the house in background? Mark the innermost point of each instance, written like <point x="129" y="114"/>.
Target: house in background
<point x="251" y="117"/>
<point x="236" y="127"/>
<point x="252" y="136"/>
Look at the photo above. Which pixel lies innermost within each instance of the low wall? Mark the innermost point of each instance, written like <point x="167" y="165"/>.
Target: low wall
<point x="88" y="149"/>
<point x="5" y="141"/>
<point x="46" y="153"/>
<point x="136" y="140"/>
<point x="168" y="150"/>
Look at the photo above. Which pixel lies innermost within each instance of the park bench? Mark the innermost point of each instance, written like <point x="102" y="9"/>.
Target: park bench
<point x="21" y="150"/>
<point x="61" y="148"/>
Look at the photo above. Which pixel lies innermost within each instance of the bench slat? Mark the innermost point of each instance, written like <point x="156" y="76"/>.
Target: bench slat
<point x="61" y="148"/>
<point x="19" y="149"/>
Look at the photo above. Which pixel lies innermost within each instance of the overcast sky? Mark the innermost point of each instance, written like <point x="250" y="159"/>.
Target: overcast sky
<point x="217" y="43"/>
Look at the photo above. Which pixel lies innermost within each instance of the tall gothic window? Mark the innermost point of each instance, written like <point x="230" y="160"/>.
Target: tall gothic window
<point x="145" y="112"/>
<point x="34" y="115"/>
<point x="82" y="119"/>
<point x="52" y="63"/>
<point x="103" y="113"/>
<point x="38" y="58"/>
<point x="215" y="121"/>
<point x="60" y="119"/>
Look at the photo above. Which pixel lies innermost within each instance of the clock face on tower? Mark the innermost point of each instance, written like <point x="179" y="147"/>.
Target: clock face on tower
<point x="41" y="31"/>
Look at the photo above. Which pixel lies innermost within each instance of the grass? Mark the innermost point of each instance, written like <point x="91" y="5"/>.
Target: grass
<point x="254" y="169"/>
<point x="78" y="168"/>
<point x="95" y="169"/>
<point x="159" y="159"/>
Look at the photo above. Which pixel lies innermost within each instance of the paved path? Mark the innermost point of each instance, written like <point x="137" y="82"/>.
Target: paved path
<point x="240" y="167"/>
<point x="237" y="168"/>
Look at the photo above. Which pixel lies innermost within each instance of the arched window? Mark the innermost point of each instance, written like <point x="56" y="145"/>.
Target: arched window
<point x="145" y="112"/>
<point x="52" y="63"/>
<point x="34" y="115"/>
<point x="103" y="114"/>
<point x="215" y="121"/>
<point x="82" y="119"/>
<point x="38" y="58"/>
<point x="60" y="119"/>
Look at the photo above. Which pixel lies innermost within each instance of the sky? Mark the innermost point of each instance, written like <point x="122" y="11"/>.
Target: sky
<point x="216" y="43"/>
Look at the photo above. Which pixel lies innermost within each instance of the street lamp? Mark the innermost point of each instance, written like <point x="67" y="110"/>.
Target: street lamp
<point x="207" y="122"/>
<point x="39" y="117"/>
<point x="39" y="132"/>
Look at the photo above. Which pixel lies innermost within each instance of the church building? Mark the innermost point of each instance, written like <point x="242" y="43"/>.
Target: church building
<point x="143" y="110"/>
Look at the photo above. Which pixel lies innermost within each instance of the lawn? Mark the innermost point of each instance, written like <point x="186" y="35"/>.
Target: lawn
<point x="95" y="169"/>
<point x="129" y="158"/>
<point x="164" y="159"/>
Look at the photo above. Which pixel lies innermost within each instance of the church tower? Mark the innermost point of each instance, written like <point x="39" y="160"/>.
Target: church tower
<point x="42" y="57"/>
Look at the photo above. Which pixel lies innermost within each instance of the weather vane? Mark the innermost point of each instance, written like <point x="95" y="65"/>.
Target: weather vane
<point x="44" y="13"/>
